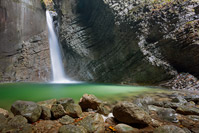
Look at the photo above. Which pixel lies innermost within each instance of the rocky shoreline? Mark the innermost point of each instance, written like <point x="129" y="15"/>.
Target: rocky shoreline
<point x="168" y="112"/>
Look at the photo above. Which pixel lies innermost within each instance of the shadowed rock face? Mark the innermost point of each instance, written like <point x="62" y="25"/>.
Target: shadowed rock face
<point x="128" y="40"/>
<point x="24" y="50"/>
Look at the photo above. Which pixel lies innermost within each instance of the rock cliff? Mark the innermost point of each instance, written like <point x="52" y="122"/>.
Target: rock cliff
<point x="24" y="50"/>
<point x="131" y="41"/>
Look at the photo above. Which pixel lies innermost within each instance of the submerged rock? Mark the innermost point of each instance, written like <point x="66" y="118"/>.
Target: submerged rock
<point x="194" y="98"/>
<point x="72" y="129"/>
<point x="29" y="110"/>
<point x="89" y="101"/>
<point x="169" y="129"/>
<point x="179" y="99"/>
<point x="130" y="113"/>
<point x="166" y="114"/>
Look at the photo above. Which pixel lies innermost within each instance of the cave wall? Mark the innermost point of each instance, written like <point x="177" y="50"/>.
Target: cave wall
<point x="130" y="41"/>
<point x="24" y="50"/>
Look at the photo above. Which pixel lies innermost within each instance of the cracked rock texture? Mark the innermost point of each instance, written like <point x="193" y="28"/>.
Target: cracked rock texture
<point x="24" y="49"/>
<point x="130" y="41"/>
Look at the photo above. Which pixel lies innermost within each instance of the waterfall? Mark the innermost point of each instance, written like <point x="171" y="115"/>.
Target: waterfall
<point x="55" y="54"/>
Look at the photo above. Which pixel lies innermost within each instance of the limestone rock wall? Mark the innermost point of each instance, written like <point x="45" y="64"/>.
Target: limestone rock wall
<point x="131" y="41"/>
<point x="24" y="50"/>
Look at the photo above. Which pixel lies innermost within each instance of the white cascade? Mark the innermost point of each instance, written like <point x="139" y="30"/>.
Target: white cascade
<point x="55" y="54"/>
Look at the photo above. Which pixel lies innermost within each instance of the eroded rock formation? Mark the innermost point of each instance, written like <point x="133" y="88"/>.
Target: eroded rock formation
<point x="128" y="40"/>
<point x="24" y="49"/>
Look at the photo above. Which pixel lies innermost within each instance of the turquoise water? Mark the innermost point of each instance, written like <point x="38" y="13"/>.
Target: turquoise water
<point x="11" y="92"/>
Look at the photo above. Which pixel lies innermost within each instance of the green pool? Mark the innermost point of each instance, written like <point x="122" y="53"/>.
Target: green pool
<point x="11" y="92"/>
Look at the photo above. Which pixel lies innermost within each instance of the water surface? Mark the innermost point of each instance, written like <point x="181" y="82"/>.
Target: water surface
<point x="11" y="92"/>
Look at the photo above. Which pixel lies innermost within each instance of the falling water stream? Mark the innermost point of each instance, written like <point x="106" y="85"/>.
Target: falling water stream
<point x="55" y="54"/>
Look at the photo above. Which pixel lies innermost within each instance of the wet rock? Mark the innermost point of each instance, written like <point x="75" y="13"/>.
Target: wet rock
<point x="191" y="104"/>
<point x="166" y="114"/>
<point x="47" y="103"/>
<point x="156" y="123"/>
<point x="169" y="129"/>
<point x="185" y="110"/>
<point x="25" y="128"/>
<point x="111" y="121"/>
<point x="4" y="112"/>
<point x="72" y="129"/>
<point x="93" y="123"/>
<point x="158" y="103"/>
<point x="179" y="99"/>
<point x="73" y="110"/>
<point x="66" y="120"/>
<point x="130" y="113"/>
<point x="46" y="126"/>
<point x="194" y="98"/>
<point x="145" y="100"/>
<point x="58" y="111"/>
<point x="195" y="129"/>
<point x="17" y="124"/>
<point x="89" y="101"/>
<point x="186" y="130"/>
<point x="65" y="101"/>
<point x="172" y="105"/>
<point x="193" y="117"/>
<point x="3" y="119"/>
<point x="18" y="120"/>
<point x="29" y="110"/>
<point x="103" y="109"/>
<point x="46" y="113"/>
<point x="123" y="128"/>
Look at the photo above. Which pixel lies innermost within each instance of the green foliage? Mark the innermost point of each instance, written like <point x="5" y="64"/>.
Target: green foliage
<point x="43" y="4"/>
